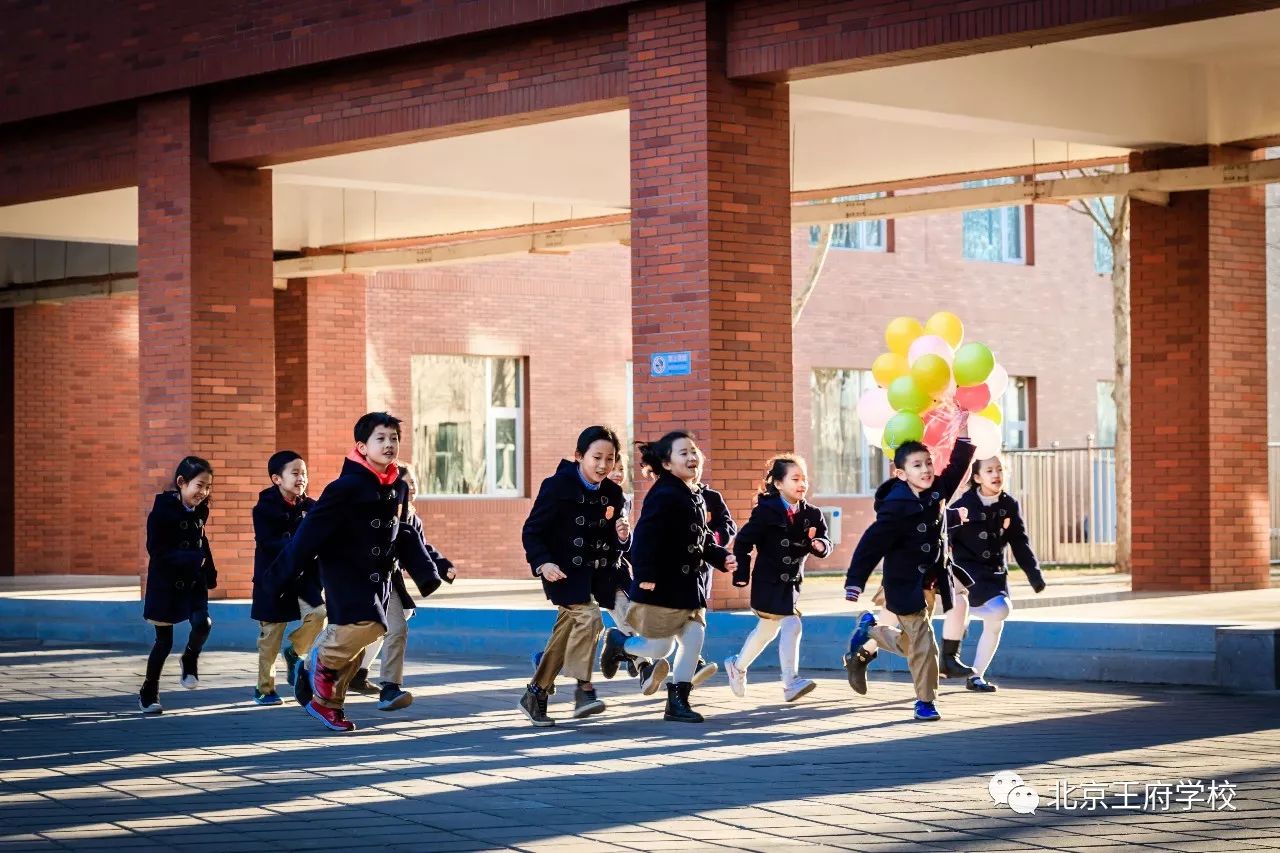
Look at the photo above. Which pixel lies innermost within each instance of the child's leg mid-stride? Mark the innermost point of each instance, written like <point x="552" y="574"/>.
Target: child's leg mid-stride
<point x="757" y="641"/>
<point x="915" y="641"/>
<point x="993" y="614"/>
<point x="571" y="649"/>
<point x="335" y="659"/>
<point x="201" y="626"/>
<point x="149" y="695"/>
<point x="270" y="636"/>
<point x="391" y="672"/>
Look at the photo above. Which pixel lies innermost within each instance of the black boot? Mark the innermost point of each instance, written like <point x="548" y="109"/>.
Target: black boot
<point x="856" y="667"/>
<point x="678" y="710"/>
<point x="950" y="666"/>
<point x="613" y="652"/>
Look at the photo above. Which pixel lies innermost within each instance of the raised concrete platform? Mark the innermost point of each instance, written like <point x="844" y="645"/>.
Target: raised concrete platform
<point x="1226" y="640"/>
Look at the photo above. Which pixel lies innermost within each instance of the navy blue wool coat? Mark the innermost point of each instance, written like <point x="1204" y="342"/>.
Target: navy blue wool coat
<point x="978" y="546"/>
<point x="782" y="546"/>
<point x="356" y="534"/>
<point x="275" y="520"/>
<point x="576" y="529"/>
<point x="908" y="536"/>
<point x="180" y="569"/>
<point x="672" y="546"/>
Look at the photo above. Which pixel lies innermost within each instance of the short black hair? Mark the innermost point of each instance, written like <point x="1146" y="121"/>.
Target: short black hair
<point x="279" y="459"/>
<point x="592" y="434"/>
<point x="189" y="468"/>
<point x="906" y="449"/>
<point x="371" y="421"/>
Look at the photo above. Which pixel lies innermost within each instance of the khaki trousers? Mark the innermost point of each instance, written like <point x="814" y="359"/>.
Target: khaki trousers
<point x="392" y="645"/>
<point x="914" y="640"/>
<point x="341" y="648"/>
<point x="271" y="634"/>
<point x="572" y="645"/>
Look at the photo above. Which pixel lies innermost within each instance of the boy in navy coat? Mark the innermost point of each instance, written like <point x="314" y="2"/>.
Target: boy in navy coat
<point x="354" y="531"/>
<point x="908" y="536"/>
<point x="279" y="511"/>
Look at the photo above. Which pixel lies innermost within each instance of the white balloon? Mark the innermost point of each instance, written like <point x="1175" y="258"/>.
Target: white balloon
<point x="986" y="437"/>
<point x="874" y="435"/>
<point x="874" y="409"/>
<point x="998" y="382"/>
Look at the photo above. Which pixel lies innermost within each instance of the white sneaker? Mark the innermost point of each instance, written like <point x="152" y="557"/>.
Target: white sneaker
<point x="737" y="677"/>
<point x="189" y="681"/>
<point x="797" y="688"/>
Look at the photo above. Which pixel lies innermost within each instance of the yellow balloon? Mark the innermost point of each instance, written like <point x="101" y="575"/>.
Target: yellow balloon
<point x="992" y="413"/>
<point x="888" y="367"/>
<point x="947" y="326"/>
<point x="900" y="332"/>
<point x="931" y="373"/>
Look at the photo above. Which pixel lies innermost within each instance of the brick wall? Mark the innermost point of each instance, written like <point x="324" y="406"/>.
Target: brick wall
<point x="7" y="540"/>
<point x="568" y="316"/>
<point x="1199" y="384"/>
<point x="75" y="373"/>
<point x="68" y="155"/>
<point x="206" y="340"/>
<point x="1050" y="321"/>
<point x="129" y="50"/>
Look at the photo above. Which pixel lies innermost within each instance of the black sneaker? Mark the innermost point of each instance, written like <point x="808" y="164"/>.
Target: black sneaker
<point x="979" y="684"/>
<point x="533" y="704"/>
<point x="392" y="698"/>
<point x="360" y="684"/>
<point x="586" y="703"/>
<point x="612" y="653"/>
<point x="190" y="677"/>
<point x="290" y="664"/>
<point x="856" y="666"/>
<point x="652" y="675"/>
<point x="302" y="691"/>
<point x="149" y="699"/>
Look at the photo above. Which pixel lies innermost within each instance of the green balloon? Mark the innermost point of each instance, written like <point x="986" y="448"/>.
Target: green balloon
<point x="972" y="364"/>
<point x="905" y="396"/>
<point x="901" y="428"/>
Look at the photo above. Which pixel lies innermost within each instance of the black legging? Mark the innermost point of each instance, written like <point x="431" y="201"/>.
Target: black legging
<point x="201" y="624"/>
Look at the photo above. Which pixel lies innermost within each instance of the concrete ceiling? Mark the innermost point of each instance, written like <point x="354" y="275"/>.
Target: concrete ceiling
<point x="1204" y="82"/>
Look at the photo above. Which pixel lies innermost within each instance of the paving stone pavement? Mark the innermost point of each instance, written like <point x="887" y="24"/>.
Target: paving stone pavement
<point x="80" y="768"/>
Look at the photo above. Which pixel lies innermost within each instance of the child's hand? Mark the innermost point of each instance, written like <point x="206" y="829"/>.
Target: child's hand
<point x="648" y="586"/>
<point x="964" y="425"/>
<point x="452" y="573"/>
<point x="813" y="532"/>
<point x="730" y="563"/>
<point x="1038" y="585"/>
<point x="851" y="593"/>
<point x="623" y="526"/>
<point x="963" y="512"/>
<point x="819" y="547"/>
<point x="550" y="572"/>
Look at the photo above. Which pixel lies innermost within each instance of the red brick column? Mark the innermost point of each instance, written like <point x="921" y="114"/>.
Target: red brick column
<point x="711" y="249"/>
<point x="1200" y="506"/>
<point x="320" y="370"/>
<point x="8" y="508"/>
<point x="206" y="343"/>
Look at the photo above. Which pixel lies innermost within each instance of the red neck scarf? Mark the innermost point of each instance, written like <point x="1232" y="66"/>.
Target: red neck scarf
<point x="385" y="478"/>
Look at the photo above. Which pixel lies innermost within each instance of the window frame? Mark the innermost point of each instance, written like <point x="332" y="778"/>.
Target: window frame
<point x="868" y="454"/>
<point x="1003" y="212"/>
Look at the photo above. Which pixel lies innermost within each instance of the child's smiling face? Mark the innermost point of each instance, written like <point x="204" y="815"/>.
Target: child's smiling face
<point x="196" y="490"/>
<point x="598" y="461"/>
<point x="382" y="448"/>
<point x="685" y="460"/>
<point x="917" y="471"/>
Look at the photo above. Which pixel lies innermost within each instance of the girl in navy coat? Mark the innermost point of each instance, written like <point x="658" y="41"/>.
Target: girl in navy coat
<point x="276" y="517"/>
<point x="571" y="543"/>
<point x="670" y="552"/>
<point x="978" y="547"/>
<point x="784" y="531"/>
<point x="180" y="573"/>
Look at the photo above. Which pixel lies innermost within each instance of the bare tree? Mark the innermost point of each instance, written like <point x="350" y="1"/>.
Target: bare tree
<point x="1112" y="219"/>
<point x="800" y="297"/>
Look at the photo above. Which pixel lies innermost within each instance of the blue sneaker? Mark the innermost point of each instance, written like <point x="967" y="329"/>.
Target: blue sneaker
<point x="926" y="711"/>
<point x="861" y="632"/>
<point x="260" y="698"/>
<point x="537" y="660"/>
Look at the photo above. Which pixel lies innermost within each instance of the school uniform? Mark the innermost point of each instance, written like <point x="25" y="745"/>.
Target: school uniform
<point x="978" y="545"/>
<point x="908" y="536"/>
<point x="673" y="547"/>
<point x="782" y="545"/>
<point x="355" y="534"/>
<point x="275" y="521"/>
<point x="573" y="525"/>
<point x="180" y="567"/>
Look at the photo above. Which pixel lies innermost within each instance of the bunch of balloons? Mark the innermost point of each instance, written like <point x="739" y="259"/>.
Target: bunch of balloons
<point x="925" y="383"/>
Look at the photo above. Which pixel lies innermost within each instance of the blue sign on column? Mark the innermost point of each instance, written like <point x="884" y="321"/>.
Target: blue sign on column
<point x="670" y="364"/>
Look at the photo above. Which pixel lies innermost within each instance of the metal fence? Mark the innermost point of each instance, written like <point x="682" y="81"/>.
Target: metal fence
<point x="1068" y="498"/>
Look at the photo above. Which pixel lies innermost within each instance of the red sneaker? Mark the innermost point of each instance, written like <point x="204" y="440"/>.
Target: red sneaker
<point x="324" y="682"/>
<point x="333" y="718"/>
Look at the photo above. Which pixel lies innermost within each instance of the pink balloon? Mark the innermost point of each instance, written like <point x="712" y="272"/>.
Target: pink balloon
<point x="998" y="381"/>
<point x="873" y="408"/>
<point x="935" y="428"/>
<point x="930" y="344"/>
<point x="974" y="398"/>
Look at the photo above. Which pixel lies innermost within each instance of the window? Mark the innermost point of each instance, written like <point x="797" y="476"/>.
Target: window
<point x="865" y="235"/>
<point x="1103" y="259"/>
<point x="844" y="463"/>
<point x="1017" y="413"/>
<point x="1106" y="413"/>
<point x="994" y="234"/>
<point x="468" y="424"/>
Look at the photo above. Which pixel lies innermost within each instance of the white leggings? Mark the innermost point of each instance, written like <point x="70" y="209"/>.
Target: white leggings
<point x="788" y="647"/>
<point x="690" y="640"/>
<point x="993" y="614"/>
